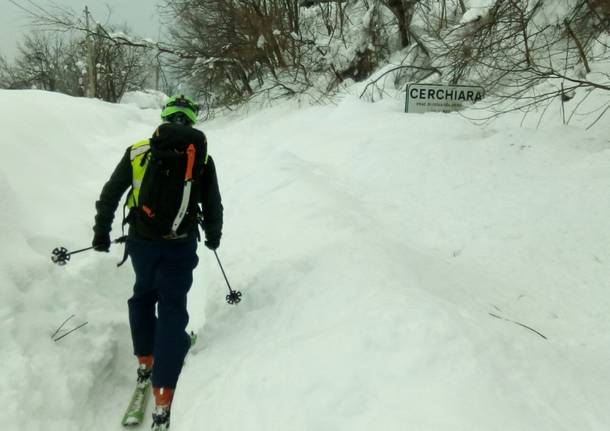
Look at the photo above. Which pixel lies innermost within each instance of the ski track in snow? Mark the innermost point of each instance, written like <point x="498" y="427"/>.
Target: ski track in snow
<point x="370" y="246"/>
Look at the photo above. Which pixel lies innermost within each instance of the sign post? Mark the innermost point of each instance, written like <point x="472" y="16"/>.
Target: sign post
<point x="441" y="98"/>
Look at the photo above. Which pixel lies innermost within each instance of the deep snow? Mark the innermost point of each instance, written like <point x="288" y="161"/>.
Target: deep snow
<point x="372" y="248"/>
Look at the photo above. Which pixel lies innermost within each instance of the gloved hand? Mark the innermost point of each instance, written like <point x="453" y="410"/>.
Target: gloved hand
<point x="101" y="242"/>
<point x="212" y="242"/>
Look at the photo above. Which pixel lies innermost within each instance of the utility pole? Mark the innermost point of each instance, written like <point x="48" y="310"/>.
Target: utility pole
<point x="90" y="84"/>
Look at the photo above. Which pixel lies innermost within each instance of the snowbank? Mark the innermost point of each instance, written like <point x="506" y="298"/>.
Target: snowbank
<point x="149" y="99"/>
<point x="57" y="153"/>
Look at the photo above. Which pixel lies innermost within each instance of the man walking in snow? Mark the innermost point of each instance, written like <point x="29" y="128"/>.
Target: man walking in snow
<point x="170" y="175"/>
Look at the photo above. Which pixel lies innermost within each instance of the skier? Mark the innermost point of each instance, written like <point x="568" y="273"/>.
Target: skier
<point x="163" y="254"/>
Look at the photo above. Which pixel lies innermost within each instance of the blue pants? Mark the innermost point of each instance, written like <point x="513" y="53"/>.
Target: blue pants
<point x="164" y="275"/>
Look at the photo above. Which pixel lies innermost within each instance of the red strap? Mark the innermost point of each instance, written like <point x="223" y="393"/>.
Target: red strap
<point x="148" y="211"/>
<point x="190" y="154"/>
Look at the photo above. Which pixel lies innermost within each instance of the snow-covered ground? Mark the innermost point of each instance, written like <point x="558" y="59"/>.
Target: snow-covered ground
<point x="399" y="272"/>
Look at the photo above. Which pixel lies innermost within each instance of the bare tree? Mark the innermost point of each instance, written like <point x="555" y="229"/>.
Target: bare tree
<point x="231" y="45"/>
<point x="118" y="67"/>
<point x="522" y="57"/>
<point x="46" y="62"/>
<point x="7" y="79"/>
<point x="113" y="62"/>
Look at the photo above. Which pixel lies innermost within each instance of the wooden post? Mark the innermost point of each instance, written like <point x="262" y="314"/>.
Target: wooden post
<point x="90" y="84"/>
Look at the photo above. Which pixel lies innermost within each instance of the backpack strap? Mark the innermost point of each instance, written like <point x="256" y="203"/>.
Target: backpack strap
<point x="186" y="192"/>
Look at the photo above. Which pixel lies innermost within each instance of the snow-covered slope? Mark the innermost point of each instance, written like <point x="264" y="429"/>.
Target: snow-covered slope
<point x="395" y="269"/>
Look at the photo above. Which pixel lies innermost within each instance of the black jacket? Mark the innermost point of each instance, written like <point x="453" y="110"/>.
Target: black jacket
<point x="121" y="179"/>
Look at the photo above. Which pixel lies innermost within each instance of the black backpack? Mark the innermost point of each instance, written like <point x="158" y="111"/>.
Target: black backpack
<point x="167" y="204"/>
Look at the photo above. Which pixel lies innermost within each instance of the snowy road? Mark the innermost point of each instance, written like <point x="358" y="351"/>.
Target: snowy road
<point x="372" y="248"/>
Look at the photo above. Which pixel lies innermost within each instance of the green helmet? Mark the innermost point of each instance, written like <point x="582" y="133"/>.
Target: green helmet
<point x="181" y="104"/>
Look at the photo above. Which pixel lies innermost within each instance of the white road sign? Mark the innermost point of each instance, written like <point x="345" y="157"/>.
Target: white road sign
<point x="441" y="98"/>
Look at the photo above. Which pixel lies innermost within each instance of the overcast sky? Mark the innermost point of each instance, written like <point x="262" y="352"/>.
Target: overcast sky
<point x="141" y="16"/>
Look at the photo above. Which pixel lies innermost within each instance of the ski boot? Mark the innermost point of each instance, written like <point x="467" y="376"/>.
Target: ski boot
<point x="144" y="375"/>
<point x="144" y="371"/>
<point x="160" y="418"/>
<point x="163" y="402"/>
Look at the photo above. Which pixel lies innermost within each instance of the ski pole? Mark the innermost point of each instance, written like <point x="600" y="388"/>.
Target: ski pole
<point x="234" y="296"/>
<point x="61" y="256"/>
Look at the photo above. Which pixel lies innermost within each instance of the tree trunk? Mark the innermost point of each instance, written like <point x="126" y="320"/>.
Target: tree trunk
<point x="403" y="11"/>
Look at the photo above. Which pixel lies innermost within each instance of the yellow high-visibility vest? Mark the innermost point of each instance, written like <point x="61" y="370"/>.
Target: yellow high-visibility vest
<point x="139" y="156"/>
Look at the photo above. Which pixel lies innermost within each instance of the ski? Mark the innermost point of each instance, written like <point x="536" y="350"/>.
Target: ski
<point x="137" y="405"/>
<point x="136" y="409"/>
<point x="193" y="340"/>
